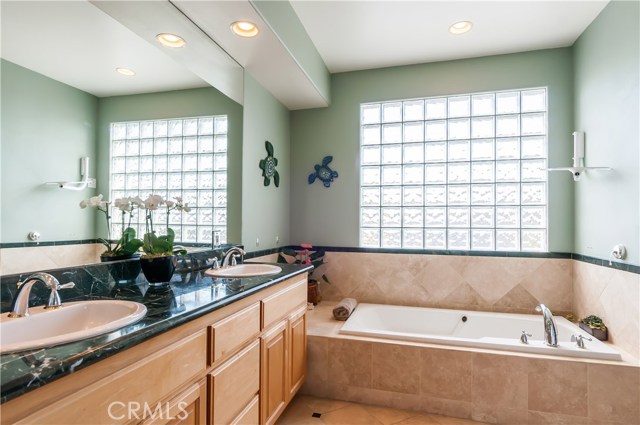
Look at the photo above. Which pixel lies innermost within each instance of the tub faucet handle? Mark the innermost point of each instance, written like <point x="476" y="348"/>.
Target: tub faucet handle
<point x="579" y="340"/>
<point x="524" y="338"/>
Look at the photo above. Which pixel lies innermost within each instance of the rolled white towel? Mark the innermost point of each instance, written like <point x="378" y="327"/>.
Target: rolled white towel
<point x="344" y="308"/>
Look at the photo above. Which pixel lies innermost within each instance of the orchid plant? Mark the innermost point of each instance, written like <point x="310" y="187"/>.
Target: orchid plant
<point x="304" y="255"/>
<point x="152" y="244"/>
<point x="127" y="244"/>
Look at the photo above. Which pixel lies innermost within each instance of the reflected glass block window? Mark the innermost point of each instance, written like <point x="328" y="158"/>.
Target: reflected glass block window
<point x="463" y="172"/>
<point x="185" y="157"/>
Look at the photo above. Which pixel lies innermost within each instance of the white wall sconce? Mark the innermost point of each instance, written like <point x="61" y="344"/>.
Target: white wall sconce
<point x="84" y="176"/>
<point x="578" y="158"/>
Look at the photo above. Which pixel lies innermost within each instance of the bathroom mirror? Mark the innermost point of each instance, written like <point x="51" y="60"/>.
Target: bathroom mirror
<point x="60" y="91"/>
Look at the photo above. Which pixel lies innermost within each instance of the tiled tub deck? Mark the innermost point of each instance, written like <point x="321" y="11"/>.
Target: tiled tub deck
<point x="484" y="385"/>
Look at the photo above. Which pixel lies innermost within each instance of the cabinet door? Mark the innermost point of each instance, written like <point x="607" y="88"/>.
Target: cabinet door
<point x="297" y="351"/>
<point x="187" y="408"/>
<point x="274" y="393"/>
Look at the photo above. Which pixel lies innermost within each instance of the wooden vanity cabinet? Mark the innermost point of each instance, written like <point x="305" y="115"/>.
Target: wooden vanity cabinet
<point x="240" y="364"/>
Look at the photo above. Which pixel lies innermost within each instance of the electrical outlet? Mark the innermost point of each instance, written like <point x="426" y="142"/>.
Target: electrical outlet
<point x="92" y="183"/>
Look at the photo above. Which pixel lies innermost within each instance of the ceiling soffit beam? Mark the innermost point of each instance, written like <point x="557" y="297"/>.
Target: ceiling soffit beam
<point x="265" y="57"/>
<point x="201" y="55"/>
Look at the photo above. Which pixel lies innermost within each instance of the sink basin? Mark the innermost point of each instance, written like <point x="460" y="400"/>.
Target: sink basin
<point x="244" y="270"/>
<point x="71" y="322"/>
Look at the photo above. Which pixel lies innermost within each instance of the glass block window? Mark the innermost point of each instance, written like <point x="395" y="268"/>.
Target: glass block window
<point x="463" y="172"/>
<point x="185" y="158"/>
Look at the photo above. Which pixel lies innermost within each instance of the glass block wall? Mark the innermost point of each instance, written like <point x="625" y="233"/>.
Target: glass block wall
<point x="464" y="172"/>
<point x="184" y="158"/>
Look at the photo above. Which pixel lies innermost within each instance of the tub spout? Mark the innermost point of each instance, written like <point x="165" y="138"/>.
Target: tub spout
<point x="550" y="329"/>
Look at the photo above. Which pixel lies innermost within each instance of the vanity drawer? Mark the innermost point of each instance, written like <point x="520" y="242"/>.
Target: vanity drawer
<point x="250" y="415"/>
<point x="231" y="333"/>
<point x="234" y="384"/>
<point x="146" y="382"/>
<point x="280" y="304"/>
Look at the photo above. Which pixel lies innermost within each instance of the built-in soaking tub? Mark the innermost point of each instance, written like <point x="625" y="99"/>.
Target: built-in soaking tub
<point x="500" y="331"/>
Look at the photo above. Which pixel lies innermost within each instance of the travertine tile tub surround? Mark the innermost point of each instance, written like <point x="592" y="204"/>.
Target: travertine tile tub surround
<point x="505" y="284"/>
<point x="483" y="385"/>
<point x="613" y="295"/>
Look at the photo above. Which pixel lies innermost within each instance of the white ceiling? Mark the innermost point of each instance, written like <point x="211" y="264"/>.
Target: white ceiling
<point x="76" y="43"/>
<point x="79" y="44"/>
<point x="356" y="35"/>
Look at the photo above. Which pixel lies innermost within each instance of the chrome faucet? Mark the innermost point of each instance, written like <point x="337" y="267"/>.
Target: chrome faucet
<point x="232" y="255"/>
<point x="550" y="329"/>
<point x="20" y="305"/>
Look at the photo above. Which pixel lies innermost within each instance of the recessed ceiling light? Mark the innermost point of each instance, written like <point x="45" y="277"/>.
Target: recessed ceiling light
<point x="170" y="40"/>
<point x="126" y="71"/>
<point x="460" y="27"/>
<point x="244" y="28"/>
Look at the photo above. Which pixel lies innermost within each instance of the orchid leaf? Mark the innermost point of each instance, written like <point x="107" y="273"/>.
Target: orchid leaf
<point x="318" y="254"/>
<point x="289" y="251"/>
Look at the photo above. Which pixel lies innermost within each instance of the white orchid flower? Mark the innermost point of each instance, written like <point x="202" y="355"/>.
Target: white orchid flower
<point x="95" y="201"/>
<point x="185" y="208"/>
<point x="123" y="204"/>
<point x="153" y="202"/>
<point x="178" y="199"/>
<point x="170" y="204"/>
<point x="136" y="201"/>
<point x="84" y="204"/>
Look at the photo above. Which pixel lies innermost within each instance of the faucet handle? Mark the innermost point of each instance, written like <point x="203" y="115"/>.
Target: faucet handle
<point x="54" y="297"/>
<point x="215" y="264"/>
<point x="524" y="338"/>
<point x="579" y="340"/>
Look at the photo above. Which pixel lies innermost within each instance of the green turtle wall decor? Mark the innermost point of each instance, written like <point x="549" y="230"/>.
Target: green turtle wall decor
<point x="268" y="166"/>
<point x="323" y="172"/>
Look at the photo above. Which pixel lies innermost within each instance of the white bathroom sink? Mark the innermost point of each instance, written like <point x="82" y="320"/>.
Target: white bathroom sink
<point x="71" y="322"/>
<point x="244" y="270"/>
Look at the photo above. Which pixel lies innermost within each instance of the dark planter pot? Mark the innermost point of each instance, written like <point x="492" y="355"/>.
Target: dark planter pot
<point x="123" y="271"/>
<point x="600" y="334"/>
<point x="313" y="292"/>
<point x="158" y="269"/>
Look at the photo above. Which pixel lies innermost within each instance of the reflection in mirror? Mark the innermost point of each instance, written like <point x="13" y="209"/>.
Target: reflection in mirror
<point x="60" y="95"/>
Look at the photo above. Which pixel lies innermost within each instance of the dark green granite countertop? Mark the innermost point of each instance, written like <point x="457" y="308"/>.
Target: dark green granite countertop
<point x="187" y="297"/>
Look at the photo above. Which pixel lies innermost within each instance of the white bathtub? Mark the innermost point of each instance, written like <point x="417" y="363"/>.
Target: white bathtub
<point x="471" y="329"/>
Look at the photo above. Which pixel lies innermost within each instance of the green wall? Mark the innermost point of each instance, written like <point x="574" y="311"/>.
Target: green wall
<point x="47" y="127"/>
<point x="607" y="72"/>
<point x="265" y="209"/>
<point x="330" y="216"/>
<point x="177" y="104"/>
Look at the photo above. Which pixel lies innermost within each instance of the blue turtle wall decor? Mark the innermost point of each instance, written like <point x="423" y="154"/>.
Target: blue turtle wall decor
<point x="268" y="166"/>
<point x="323" y="172"/>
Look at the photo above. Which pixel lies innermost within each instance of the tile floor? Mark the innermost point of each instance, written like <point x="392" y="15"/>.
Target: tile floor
<point x="302" y="409"/>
